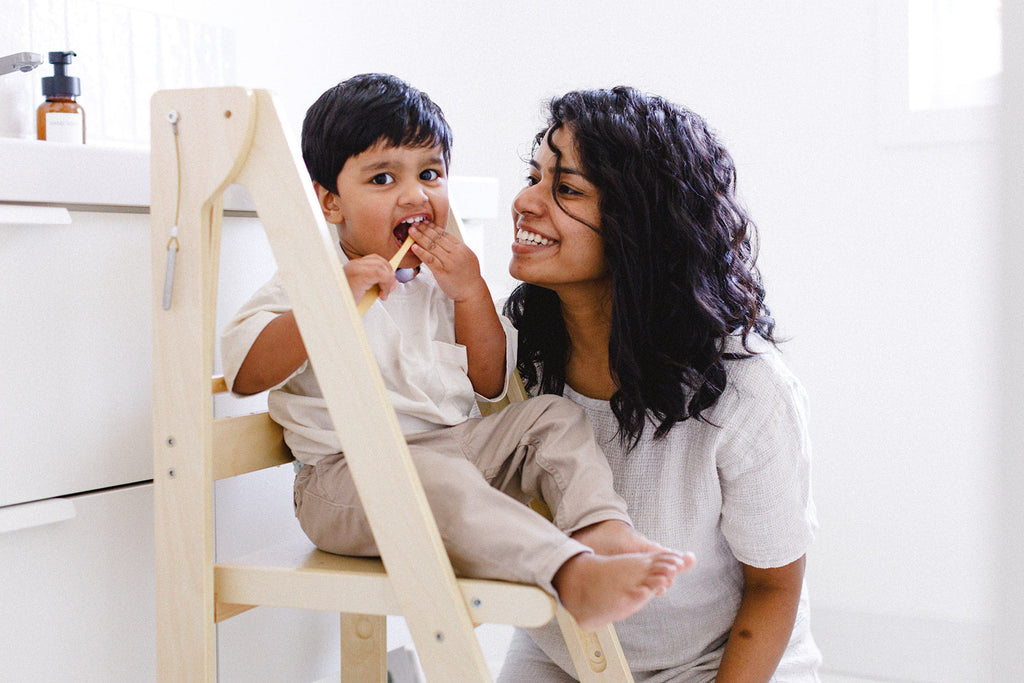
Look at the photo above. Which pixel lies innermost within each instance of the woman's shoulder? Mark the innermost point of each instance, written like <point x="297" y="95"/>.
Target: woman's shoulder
<point x="757" y="376"/>
<point x="763" y="411"/>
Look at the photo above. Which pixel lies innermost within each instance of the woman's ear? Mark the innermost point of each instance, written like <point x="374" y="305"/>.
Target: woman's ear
<point x="329" y="204"/>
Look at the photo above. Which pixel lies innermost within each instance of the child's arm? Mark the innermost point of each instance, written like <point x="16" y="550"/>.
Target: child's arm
<point x="763" y="624"/>
<point x="477" y="327"/>
<point x="278" y="350"/>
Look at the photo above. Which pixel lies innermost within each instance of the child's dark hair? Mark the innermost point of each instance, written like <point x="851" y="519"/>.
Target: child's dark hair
<point x="679" y="249"/>
<point x="352" y="116"/>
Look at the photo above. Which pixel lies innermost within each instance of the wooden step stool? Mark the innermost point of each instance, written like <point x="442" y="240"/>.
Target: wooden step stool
<point x="202" y="141"/>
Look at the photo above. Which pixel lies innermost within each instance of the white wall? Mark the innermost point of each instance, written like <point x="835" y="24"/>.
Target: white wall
<point x="879" y="249"/>
<point x="1009" y="666"/>
<point x="878" y="254"/>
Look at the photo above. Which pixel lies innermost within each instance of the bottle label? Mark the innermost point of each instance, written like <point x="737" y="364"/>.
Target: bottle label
<point x="64" y="127"/>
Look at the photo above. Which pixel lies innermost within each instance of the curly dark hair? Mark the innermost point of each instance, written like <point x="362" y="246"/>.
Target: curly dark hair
<point x="680" y="250"/>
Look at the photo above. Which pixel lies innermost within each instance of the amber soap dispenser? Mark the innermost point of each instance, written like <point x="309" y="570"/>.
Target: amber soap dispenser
<point x="60" y="118"/>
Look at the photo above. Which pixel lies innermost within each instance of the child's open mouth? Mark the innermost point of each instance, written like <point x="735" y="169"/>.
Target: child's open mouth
<point x="401" y="231"/>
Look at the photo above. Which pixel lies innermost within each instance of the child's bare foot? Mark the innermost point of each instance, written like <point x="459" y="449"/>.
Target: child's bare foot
<point x="600" y="589"/>
<point x="615" y="537"/>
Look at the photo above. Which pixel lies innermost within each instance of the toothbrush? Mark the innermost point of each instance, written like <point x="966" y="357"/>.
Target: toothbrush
<point x="373" y="292"/>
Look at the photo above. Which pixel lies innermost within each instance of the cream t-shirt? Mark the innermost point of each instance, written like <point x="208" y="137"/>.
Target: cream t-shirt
<point x="412" y="335"/>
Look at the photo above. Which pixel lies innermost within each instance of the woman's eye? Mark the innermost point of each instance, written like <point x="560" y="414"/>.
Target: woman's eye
<point x="565" y="189"/>
<point x="382" y="179"/>
<point x="531" y="180"/>
<point x="429" y="174"/>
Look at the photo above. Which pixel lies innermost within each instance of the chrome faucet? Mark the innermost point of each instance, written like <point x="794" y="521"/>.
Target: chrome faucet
<point x="20" y="61"/>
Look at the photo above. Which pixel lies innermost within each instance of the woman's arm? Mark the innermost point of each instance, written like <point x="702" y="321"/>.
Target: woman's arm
<point x="763" y="624"/>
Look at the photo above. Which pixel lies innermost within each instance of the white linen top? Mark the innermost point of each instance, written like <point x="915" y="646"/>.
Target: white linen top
<point x="412" y="335"/>
<point x="737" y="492"/>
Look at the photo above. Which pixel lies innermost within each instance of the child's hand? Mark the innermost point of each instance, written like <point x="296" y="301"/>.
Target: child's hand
<point x="454" y="265"/>
<point x="366" y="271"/>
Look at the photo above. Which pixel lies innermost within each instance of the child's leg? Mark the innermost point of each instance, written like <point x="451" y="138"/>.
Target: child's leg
<point x="545" y="448"/>
<point x="487" y="533"/>
<point x="329" y="511"/>
<point x="490" y="534"/>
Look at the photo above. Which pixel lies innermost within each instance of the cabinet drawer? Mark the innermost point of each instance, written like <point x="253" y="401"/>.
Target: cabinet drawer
<point x="77" y="388"/>
<point x="76" y="392"/>
<point x="78" y="593"/>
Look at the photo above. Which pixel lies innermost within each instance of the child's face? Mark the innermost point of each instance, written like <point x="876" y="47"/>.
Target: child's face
<point x="381" y="191"/>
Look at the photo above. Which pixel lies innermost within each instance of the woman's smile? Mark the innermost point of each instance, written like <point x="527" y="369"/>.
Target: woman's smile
<point x="529" y="238"/>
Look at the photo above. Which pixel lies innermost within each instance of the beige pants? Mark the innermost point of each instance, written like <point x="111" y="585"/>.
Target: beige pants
<point x="477" y="476"/>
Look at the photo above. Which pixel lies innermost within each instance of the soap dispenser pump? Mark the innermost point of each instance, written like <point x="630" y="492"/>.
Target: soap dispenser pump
<point x="60" y="118"/>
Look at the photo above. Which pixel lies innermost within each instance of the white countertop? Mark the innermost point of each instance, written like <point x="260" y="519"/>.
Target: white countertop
<point x="117" y="178"/>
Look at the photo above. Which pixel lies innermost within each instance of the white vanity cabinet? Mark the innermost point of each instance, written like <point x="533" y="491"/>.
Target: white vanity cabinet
<point x="76" y="503"/>
<point x="77" y="591"/>
<point x="76" y="391"/>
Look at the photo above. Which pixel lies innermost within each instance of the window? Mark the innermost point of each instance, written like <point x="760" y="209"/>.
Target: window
<point x="939" y="70"/>
<point x="955" y="55"/>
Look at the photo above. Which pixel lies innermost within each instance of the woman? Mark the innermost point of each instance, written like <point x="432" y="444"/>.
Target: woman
<point x="642" y="303"/>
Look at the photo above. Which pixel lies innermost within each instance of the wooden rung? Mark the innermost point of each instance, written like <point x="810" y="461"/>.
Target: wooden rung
<point x="247" y="444"/>
<point x="218" y="384"/>
<point x="298" y="575"/>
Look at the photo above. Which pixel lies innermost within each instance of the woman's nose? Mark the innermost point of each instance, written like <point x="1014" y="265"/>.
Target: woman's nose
<point x="528" y="200"/>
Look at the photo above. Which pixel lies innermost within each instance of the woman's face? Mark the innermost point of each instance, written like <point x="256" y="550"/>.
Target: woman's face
<point x="552" y="248"/>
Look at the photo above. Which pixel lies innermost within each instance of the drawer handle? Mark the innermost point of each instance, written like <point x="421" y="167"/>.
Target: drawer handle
<point x="39" y="513"/>
<point x="22" y="214"/>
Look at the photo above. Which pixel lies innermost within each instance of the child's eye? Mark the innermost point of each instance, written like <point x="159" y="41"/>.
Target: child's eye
<point x="429" y="174"/>
<point x="382" y="179"/>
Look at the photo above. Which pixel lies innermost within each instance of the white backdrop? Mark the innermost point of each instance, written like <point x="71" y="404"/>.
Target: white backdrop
<point x="879" y="234"/>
